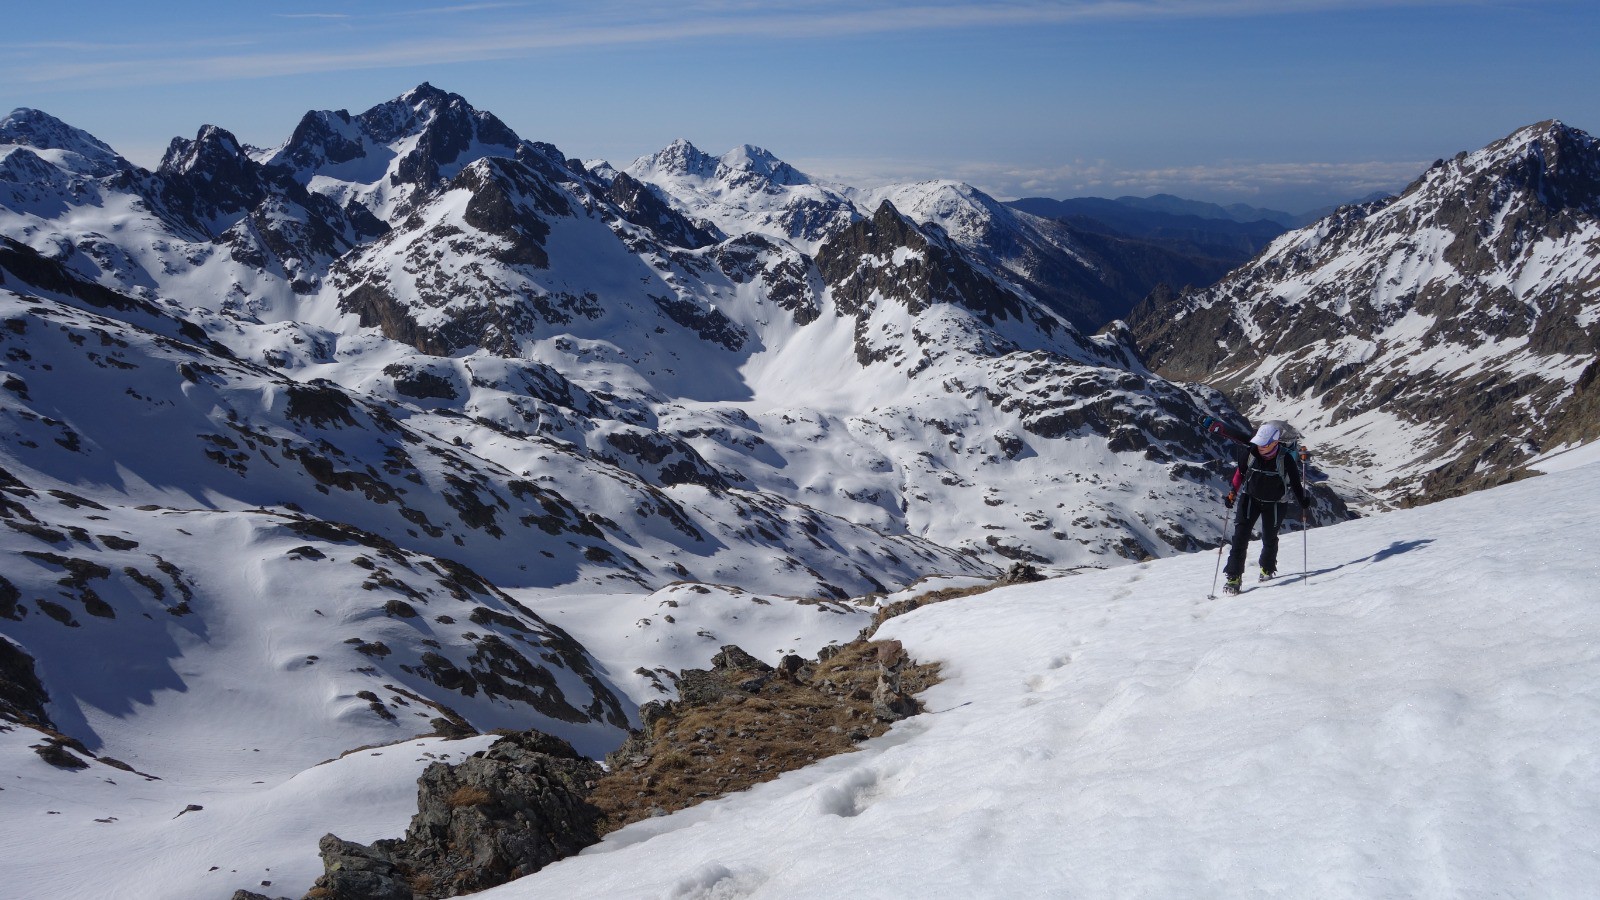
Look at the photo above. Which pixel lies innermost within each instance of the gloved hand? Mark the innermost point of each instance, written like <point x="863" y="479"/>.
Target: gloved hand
<point x="1228" y="500"/>
<point x="1305" y="501"/>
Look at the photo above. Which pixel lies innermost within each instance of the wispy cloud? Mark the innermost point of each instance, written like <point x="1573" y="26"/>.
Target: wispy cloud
<point x="573" y="26"/>
<point x="458" y="8"/>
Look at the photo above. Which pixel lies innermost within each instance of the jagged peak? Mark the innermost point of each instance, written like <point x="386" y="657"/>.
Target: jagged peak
<point x="677" y="158"/>
<point x="426" y="96"/>
<point x="211" y="146"/>
<point x="1558" y="163"/>
<point x="1536" y="138"/>
<point x="888" y="222"/>
<point x="886" y="211"/>
<point x="320" y="136"/>
<point x="417" y="109"/>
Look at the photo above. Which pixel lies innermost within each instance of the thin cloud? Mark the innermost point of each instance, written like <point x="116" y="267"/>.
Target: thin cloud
<point x="459" y="8"/>
<point x="656" y="23"/>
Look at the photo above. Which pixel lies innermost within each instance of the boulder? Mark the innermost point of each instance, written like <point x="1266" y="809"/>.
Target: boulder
<point x="502" y="813"/>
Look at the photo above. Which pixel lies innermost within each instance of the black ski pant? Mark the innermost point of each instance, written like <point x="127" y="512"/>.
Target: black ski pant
<point x="1271" y="515"/>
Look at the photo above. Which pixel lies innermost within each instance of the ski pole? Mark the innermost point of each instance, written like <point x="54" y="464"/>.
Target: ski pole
<point x="1227" y="519"/>
<point x="1305" y="540"/>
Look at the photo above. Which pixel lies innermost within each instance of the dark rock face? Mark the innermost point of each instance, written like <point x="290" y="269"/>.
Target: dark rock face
<point x="209" y="180"/>
<point x="354" y="870"/>
<point x="503" y="813"/>
<point x="508" y="214"/>
<point x="639" y="205"/>
<point x="510" y="202"/>
<point x="890" y="701"/>
<point x="454" y="127"/>
<point x="1021" y="573"/>
<point x="22" y="696"/>
<point x="790" y="278"/>
<point x="927" y="271"/>
<point x="660" y="458"/>
<point x="1487" y="256"/>
<point x="422" y="384"/>
<point x="322" y="138"/>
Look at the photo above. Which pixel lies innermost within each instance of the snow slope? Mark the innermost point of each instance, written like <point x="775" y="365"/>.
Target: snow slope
<point x="1417" y="720"/>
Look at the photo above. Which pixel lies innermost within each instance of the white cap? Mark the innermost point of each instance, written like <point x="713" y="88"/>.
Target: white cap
<point x="1268" y="433"/>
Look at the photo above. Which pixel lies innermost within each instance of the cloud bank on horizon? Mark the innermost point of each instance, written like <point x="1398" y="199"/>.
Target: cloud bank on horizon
<point x="1293" y="103"/>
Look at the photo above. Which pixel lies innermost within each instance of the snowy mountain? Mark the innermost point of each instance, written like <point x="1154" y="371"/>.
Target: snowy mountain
<point x="410" y="426"/>
<point x="1083" y="277"/>
<point x="514" y="286"/>
<point x="1429" y="344"/>
<point x="43" y="136"/>
<point x="408" y="359"/>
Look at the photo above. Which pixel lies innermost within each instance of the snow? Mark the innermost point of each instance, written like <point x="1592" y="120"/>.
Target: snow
<point x="1562" y="459"/>
<point x="107" y="833"/>
<point x="683" y="625"/>
<point x="1416" y="720"/>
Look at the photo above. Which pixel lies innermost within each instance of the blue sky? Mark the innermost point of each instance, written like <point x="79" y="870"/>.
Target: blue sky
<point x="1284" y="103"/>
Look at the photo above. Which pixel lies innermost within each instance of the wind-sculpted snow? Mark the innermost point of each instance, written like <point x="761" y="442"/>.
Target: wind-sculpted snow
<point x="1433" y="343"/>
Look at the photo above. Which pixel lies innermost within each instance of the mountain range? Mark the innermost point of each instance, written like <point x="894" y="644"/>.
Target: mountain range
<point x="410" y="425"/>
<point x="384" y="430"/>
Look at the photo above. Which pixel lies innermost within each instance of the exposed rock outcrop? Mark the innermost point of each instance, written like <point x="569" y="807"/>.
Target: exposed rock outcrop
<point x="503" y="813"/>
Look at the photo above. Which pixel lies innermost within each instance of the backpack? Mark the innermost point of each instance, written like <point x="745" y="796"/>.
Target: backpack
<point x="1268" y="485"/>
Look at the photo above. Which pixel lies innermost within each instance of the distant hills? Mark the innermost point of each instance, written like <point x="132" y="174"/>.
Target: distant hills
<point x="1211" y="238"/>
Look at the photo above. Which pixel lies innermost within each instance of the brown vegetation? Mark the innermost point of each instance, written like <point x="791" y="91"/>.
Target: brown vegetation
<point x="743" y="723"/>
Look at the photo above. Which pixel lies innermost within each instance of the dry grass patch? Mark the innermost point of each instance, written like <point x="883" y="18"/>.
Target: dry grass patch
<point x="741" y="739"/>
<point x="467" y="795"/>
<point x="742" y="723"/>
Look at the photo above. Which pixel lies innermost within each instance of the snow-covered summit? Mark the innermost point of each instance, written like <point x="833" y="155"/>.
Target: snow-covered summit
<point x="70" y="148"/>
<point x="964" y="212"/>
<point x="752" y="162"/>
<point x="677" y="158"/>
<point x="385" y="156"/>
<point x="1549" y="157"/>
<point x="747" y="190"/>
